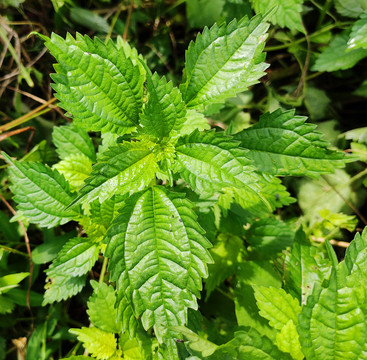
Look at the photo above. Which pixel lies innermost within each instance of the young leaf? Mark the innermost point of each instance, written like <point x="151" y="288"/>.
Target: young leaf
<point x="193" y="121"/>
<point x="72" y="140"/>
<point x="164" y="111"/>
<point x="358" y="35"/>
<point x="336" y="57"/>
<point x="235" y="48"/>
<point x="283" y="144"/>
<point x="100" y="344"/>
<point x="124" y="168"/>
<point x="101" y="308"/>
<point x="285" y="13"/>
<point x="97" y="83"/>
<point x="158" y="253"/>
<point x="76" y="258"/>
<point x="288" y="341"/>
<point x="276" y="306"/>
<point x="41" y="193"/>
<point x="75" y="168"/>
<point x="210" y="162"/>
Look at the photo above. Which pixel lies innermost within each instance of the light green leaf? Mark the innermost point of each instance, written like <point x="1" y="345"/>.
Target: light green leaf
<point x="210" y="162"/>
<point x="124" y="168"/>
<point x="226" y="253"/>
<point x="137" y="348"/>
<point x="97" y="83"/>
<point x="75" y="168"/>
<point x="197" y="343"/>
<point x="235" y="48"/>
<point x="283" y="144"/>
<point x="157" y="253"/>
<point x="11" y="281"/>
<point x="351" y="8"/>
<point x="76" y="258"/>
<point x="101" y="308"/>
<point x="41" y="193"/>
<point x="164" y="113"/>
<point x="317" y="195"/>
<point x="358" y="36"/>
<point x="71" y="140"/>
<point x="288" y="341"/>
<point x="193" y="121"/>
<point x="267" y="237"/>
<point x="100" y="344"/>
<point x="285" y="13"/>
<point x="276" y="306"/>
<point x="302" y="268"/>
<point x="336" y="57"/>
<point x="60" y="288"/>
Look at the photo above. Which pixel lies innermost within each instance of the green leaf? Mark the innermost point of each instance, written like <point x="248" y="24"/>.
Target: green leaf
<point x="336" y="57"/>
<point x="157" y="253"/>
<point x="71" y="140"/>
<point x="89" y="19"/>
<point x="137" y="348"/>
<point x="100" y="344"/>
<point x="276" y="306"/>
<point x="210" y="162"/>
<point x="333" y="324"/>
<point x="101" y="308"/>
<point x="202" y="13"/>
<point x="248" y="274"/>
<point x="285" y="13"/>
<point x="227" y="253"/>
<point x="6" y="305"/>
<point x="197" y="343"/>
<point x="268" y="237"/>
<point x="97" y="83"/>
<point x="60" y="288"/>
<point x="11" y="281"/>
<point x="356" y="256"/>
<point x="193" y="121"/>
<point x="235" y="48"/>
<point x="288" y="341"/>
<point x="249" y="345"/>
<point x="164" y="113"/>
<point x="41" y="193"/>
<point x="124" y="168"/>
<point x="76" y="258"/>
<point x="75" y="168"/>
<point x="302" y="268"/>
<point x="351" y="8"/>
<point x="358" y="35"/>
<point x="283" y="144"/>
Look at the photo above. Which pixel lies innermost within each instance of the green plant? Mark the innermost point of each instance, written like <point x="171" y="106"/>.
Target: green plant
<point x="159" y="177"/>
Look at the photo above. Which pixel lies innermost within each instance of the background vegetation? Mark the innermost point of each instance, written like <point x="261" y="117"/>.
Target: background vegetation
<point x="317" y="53"/>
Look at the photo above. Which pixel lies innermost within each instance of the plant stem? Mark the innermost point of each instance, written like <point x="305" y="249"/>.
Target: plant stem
<point x="114" y="20"/>
<point x="32" y="114"/>
<point x="23" y="71"/>
<point x="301" y="40"/>
<point x="103" y="271"/>
<point x="130" y="11"/>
